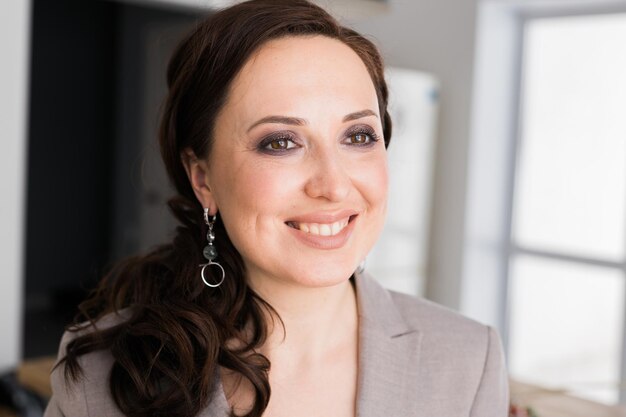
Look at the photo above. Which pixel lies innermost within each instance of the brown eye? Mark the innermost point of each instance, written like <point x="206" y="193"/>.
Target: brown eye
<point x="280" y="144"/>
<point x="360" y="138"/>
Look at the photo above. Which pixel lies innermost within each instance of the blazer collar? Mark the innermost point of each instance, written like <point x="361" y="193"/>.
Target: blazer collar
<point x="388" y="353"/>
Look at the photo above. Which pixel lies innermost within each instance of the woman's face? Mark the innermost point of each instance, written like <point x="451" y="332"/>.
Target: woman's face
<point x="298" y="167"/>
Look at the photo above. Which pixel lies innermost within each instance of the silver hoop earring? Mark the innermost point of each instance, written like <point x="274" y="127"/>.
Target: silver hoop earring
<point x="210" y="252"/>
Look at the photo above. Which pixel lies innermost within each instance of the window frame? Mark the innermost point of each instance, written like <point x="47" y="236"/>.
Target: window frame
<point x="515" y="249"/>
<point x="498" y="89"/>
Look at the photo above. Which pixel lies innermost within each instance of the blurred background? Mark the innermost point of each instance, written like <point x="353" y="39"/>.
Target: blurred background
<point x="508" y="166"/>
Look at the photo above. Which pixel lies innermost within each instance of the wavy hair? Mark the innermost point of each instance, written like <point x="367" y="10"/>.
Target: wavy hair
<point x="177" y="333"/>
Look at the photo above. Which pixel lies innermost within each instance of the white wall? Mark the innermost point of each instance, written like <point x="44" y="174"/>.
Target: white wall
<point x="491" y="164"/>
<point x="399" y="257"/>
<point x="14" y="42"/>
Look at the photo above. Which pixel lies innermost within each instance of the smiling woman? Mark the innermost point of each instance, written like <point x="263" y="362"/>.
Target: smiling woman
<point x="274" y="133"/>
<point x="296" y="169"/>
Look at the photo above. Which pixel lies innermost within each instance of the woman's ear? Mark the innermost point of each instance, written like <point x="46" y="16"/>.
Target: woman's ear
<point x="198" y="175"/>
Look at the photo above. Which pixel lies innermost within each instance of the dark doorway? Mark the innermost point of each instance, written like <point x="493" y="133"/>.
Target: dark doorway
<point x="87" y="140"/>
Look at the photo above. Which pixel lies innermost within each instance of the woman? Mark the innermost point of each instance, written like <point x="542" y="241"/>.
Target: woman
<point x="274" y="134"/>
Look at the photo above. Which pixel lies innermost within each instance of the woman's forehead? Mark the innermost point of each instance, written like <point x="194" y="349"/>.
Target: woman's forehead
<point x="287" y="72"/>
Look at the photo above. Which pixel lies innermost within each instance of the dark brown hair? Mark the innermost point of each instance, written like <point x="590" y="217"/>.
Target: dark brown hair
<point x="168" y="348"/>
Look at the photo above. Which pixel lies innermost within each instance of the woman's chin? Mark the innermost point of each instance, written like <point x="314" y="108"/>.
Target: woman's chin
<point x="321" y="276"/>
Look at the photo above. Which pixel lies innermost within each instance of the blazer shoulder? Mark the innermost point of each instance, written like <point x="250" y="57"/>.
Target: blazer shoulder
<point x="75" y="331"/>
<point x="89" y="395"/>
<point x="469" y="352"/>
<point x="445" y="363"/>
<point x="432" y="317"/>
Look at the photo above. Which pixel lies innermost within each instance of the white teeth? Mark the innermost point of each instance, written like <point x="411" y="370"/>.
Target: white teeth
<point x="321" y="229"/>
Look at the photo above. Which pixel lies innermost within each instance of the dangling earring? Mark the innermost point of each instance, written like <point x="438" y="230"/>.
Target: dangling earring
<point x="210" y="252"/>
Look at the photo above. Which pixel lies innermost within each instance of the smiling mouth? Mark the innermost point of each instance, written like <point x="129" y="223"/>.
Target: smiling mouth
<point x="321" y="229"/>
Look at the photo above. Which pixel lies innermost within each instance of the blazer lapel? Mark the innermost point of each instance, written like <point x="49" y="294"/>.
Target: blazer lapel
<point x="388" y="354"/>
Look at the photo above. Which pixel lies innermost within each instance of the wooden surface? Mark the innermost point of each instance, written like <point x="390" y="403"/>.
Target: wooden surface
<point x="547" y="403"/>
<point x="35" y="375"/>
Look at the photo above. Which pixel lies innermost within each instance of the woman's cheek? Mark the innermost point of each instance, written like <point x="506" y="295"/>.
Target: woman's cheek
<point x="375" y="180"/>
<point x="270" y="181"/>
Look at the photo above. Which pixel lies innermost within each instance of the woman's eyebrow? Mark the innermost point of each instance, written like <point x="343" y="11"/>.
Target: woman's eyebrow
<point x="359" y="114"/>
<point x="285" y="120"/>
<point x="296" y="121"/>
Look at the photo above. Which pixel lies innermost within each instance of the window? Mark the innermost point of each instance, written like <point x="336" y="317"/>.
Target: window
<point x="567" y="262"/>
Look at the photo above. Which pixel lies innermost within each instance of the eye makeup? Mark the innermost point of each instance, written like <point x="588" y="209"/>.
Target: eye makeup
<point x="358" y="130"/>
<point x="282" y="142"/>
<point x="278" y="143"/>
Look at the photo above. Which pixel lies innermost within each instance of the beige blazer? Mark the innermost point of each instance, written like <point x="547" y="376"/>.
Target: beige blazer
<point x="416" y="359"/>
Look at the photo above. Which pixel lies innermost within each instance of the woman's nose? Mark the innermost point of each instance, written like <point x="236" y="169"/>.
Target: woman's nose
<point x="328" y="178"/>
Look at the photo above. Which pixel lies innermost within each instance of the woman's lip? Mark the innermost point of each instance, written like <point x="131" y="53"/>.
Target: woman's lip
<point x="324" y="242"/>
<point x="323" y="217"/>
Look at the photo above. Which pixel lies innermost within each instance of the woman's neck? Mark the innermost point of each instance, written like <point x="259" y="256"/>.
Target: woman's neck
<point x="315" y="352"/>
<point x="316" y="320"/>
